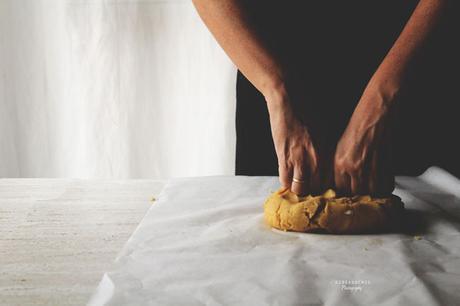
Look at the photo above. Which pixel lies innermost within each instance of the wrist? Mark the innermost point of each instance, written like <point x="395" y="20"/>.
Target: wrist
<point x="276" y="96"/>
<point x="375" y="104"/>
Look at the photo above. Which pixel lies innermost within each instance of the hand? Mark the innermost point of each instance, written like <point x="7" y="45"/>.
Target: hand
<point x="362" y="163"/>
<point x="297" y="155"/>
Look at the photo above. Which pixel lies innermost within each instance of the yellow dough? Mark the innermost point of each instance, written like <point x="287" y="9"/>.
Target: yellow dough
<point x="327" y="213"/>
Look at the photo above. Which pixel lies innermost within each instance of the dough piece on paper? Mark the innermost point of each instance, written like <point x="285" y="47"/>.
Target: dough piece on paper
<point x="331" y="214"/>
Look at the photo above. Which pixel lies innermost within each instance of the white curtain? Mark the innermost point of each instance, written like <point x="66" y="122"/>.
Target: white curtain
<point x="112" y="89"/>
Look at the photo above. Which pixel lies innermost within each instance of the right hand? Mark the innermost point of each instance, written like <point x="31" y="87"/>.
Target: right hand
<point x="297" y="155"/>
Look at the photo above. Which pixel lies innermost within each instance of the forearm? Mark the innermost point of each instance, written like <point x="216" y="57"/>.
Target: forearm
<point x="393" y="69"/>
<point x="236" y="34"/>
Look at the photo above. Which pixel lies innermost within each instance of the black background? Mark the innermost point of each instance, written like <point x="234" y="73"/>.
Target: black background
<point x="331" y="49"/>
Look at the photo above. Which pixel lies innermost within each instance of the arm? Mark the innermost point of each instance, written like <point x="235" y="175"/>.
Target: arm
<point x="297" y="157"/>
<point x="392" y="71"/>
<point x="234" y="32"/>
<point x="363" y="159"/>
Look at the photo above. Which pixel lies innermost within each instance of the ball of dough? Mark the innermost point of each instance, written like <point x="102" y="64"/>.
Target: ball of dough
<point x="331" y="214"/>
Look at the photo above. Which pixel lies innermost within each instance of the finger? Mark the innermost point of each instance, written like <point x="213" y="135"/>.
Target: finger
<point x="301" y="185"/>
<point x="342" y="182"/>
<point x="285" y="174"/>
<point x="356" y="183"/>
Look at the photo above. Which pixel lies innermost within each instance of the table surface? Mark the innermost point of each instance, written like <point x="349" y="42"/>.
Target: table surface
<point x="58" y="236"/>
<point x="220" y="251"/>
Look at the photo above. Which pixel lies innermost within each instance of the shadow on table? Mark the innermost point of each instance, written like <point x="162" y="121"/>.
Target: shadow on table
<point x="443" y="208"/>
<point x="415" y="222"/>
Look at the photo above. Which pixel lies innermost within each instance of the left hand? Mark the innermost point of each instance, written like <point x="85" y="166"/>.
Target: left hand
<point x="362" y="162"/>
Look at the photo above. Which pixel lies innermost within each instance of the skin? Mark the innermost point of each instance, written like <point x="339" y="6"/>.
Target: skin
<point x="363" y="154"/>
<point x="362" y="160"/>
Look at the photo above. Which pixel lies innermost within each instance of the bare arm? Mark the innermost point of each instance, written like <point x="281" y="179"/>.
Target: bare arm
<point x="392" y="71"/>
<point x="297" y="155"/>
<point x="363" y="157"/>
<point x="233" y="30"/>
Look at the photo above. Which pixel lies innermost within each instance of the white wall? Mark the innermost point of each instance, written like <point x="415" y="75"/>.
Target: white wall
<point x="112" y="89"/>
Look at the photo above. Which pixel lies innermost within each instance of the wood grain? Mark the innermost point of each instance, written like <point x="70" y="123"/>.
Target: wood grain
<point x="58" y="236"/>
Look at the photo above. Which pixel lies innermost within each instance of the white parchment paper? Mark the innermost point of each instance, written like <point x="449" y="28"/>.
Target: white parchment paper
<point x="205" y="243"/>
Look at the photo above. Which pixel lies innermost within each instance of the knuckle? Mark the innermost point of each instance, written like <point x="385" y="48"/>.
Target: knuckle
<point x="355" y="172"/>
<point x="282" y="167"/>
<point x="350" y="167"/>
<point x="281" y="158"/>
<point x="284" y="181"/>
<point x="283" y="164"/>
<point x="340" y="162"/>
<point x="297" y="154"/>
<point x="300" y="167"/>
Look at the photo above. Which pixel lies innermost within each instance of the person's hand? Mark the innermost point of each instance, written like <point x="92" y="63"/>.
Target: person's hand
<point x="298" y="157"/>
<point x="362" y="163"/>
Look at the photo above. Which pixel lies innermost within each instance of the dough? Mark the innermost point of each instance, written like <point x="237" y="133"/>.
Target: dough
<point x="327" y="213"/>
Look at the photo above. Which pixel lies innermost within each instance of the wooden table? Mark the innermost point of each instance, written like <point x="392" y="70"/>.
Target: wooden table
<point x="58" y="236"/>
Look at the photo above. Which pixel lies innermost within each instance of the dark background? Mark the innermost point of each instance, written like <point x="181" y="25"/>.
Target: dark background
<point x="331" y="49"/>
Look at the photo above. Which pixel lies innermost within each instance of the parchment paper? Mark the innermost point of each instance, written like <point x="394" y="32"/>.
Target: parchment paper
<point x="205" y="243"/>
